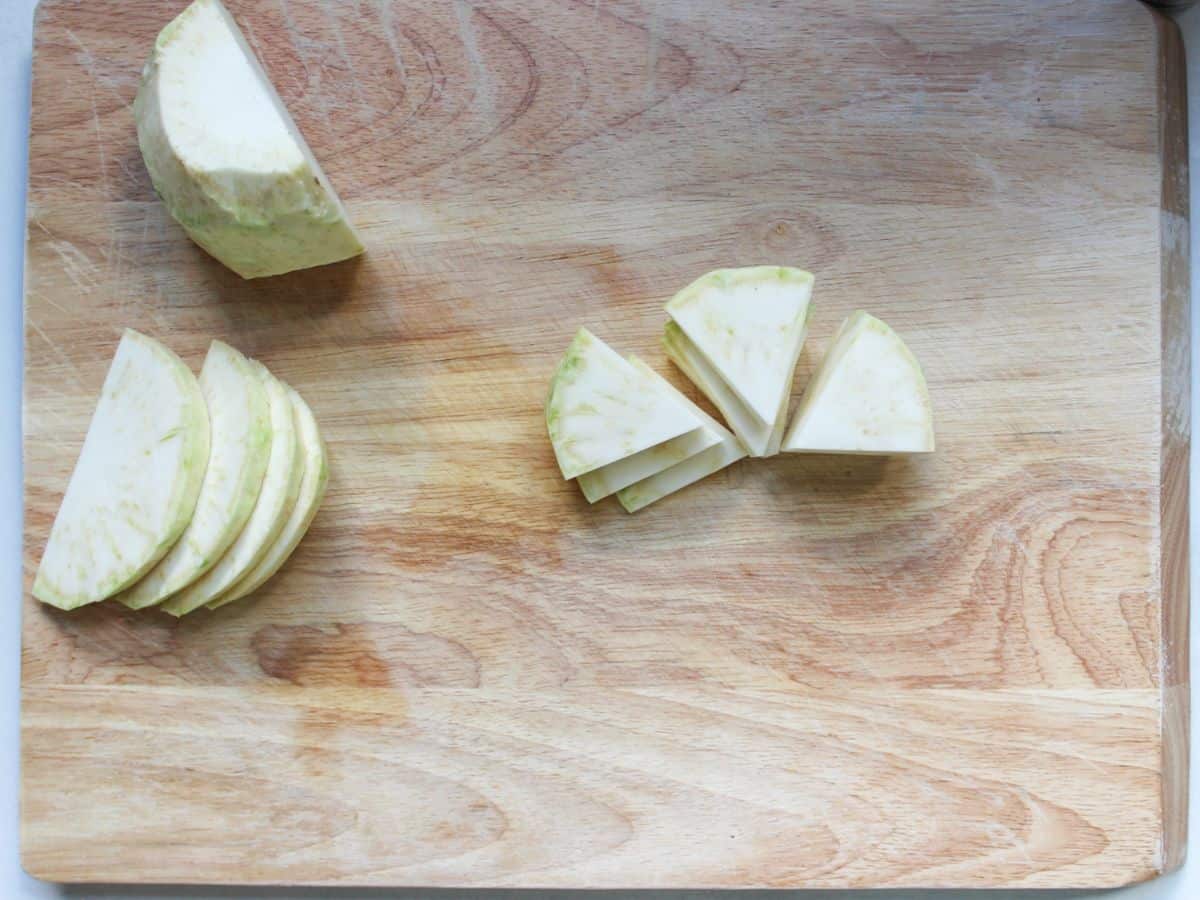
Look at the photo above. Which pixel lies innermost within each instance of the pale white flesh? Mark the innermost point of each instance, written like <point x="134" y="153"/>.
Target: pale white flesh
<point x="758" y="438"/>
<point x="601" y="409"/>
<point x="240" y="426"/>
<point x="868" y="396"/>
<point x="226" y="157"/>
<point x="136" y="481"/>
<point x="724" y="452"/>
<point x="312" y="490"/>
<point x="749" y="325"/>
<point x="280" y="487"/>
<point x="598" y="484"/>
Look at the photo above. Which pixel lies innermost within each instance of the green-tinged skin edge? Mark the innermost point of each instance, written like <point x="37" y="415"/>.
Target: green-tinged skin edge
<point x="260" y="437"/>
<point x="569" y="366"/>
<point x="184" y="496"/>
<point x="607" y="480"/>
<point x="258" y="441"/>
<point x="185" y="600"/>
<point x="258" y="576"/>
<point x="727" y="278"/>
<point x="714" y="459"/>
<point x="589" y="357"/>
<point x="241" y="589"/>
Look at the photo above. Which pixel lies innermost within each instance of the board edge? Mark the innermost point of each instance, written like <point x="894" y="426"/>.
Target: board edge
<point x="1175" y="451"/>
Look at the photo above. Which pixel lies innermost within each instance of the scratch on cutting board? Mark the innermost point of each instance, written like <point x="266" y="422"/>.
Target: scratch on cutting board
<point x="252" y="39"/>
<point x="49" y="419"/>
<point x="76" y="265"/>
<point x="485" y="94"/>
<point x="45" y="298"/>
<point x="389" y="33"/>
<point x="653" y="29"/>
<point x="116" y="83"/>
<point x="952" y="671"/>
<point x="132" y="174"/>
<point x="89" y="65"/>
<point x="314" y="80"/>
<point x="1066" y="748"/>
<point x="861" y="659"/>
<point x="365" y="113"/>
<point x="68" y="366"/>
<point x="879" y="50"/>
<point x="295" y="35"/>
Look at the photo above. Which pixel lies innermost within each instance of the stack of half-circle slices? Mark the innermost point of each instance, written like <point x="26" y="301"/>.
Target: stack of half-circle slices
<point x="188" y="491"/>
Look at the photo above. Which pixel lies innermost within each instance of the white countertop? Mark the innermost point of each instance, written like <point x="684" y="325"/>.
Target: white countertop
<point x="16" y="19"/>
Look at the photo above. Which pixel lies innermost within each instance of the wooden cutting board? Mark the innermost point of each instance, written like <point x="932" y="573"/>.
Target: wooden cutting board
<point x="963" y="670"/>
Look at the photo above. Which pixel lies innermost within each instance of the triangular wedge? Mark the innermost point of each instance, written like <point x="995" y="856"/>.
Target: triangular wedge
<point x="600" y="483"/>
<point x="280" y="487"/>
<point x="601" y="409"/>
<point x="312" y="490"/>
<point x="136" y="481"/>
<point x="726" y="451"/>
<point x="758" y="438"/>
<point x="749" y="326"/>
<point x="240" y="423"/>
<point x="868" y="396"/>
<point x="226" y="157"/>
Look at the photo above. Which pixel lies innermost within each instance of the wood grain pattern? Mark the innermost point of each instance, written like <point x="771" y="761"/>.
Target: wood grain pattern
<point x="968" y="670"/>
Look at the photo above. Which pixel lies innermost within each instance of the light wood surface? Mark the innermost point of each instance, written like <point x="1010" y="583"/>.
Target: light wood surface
<point x="969" y="669"/>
